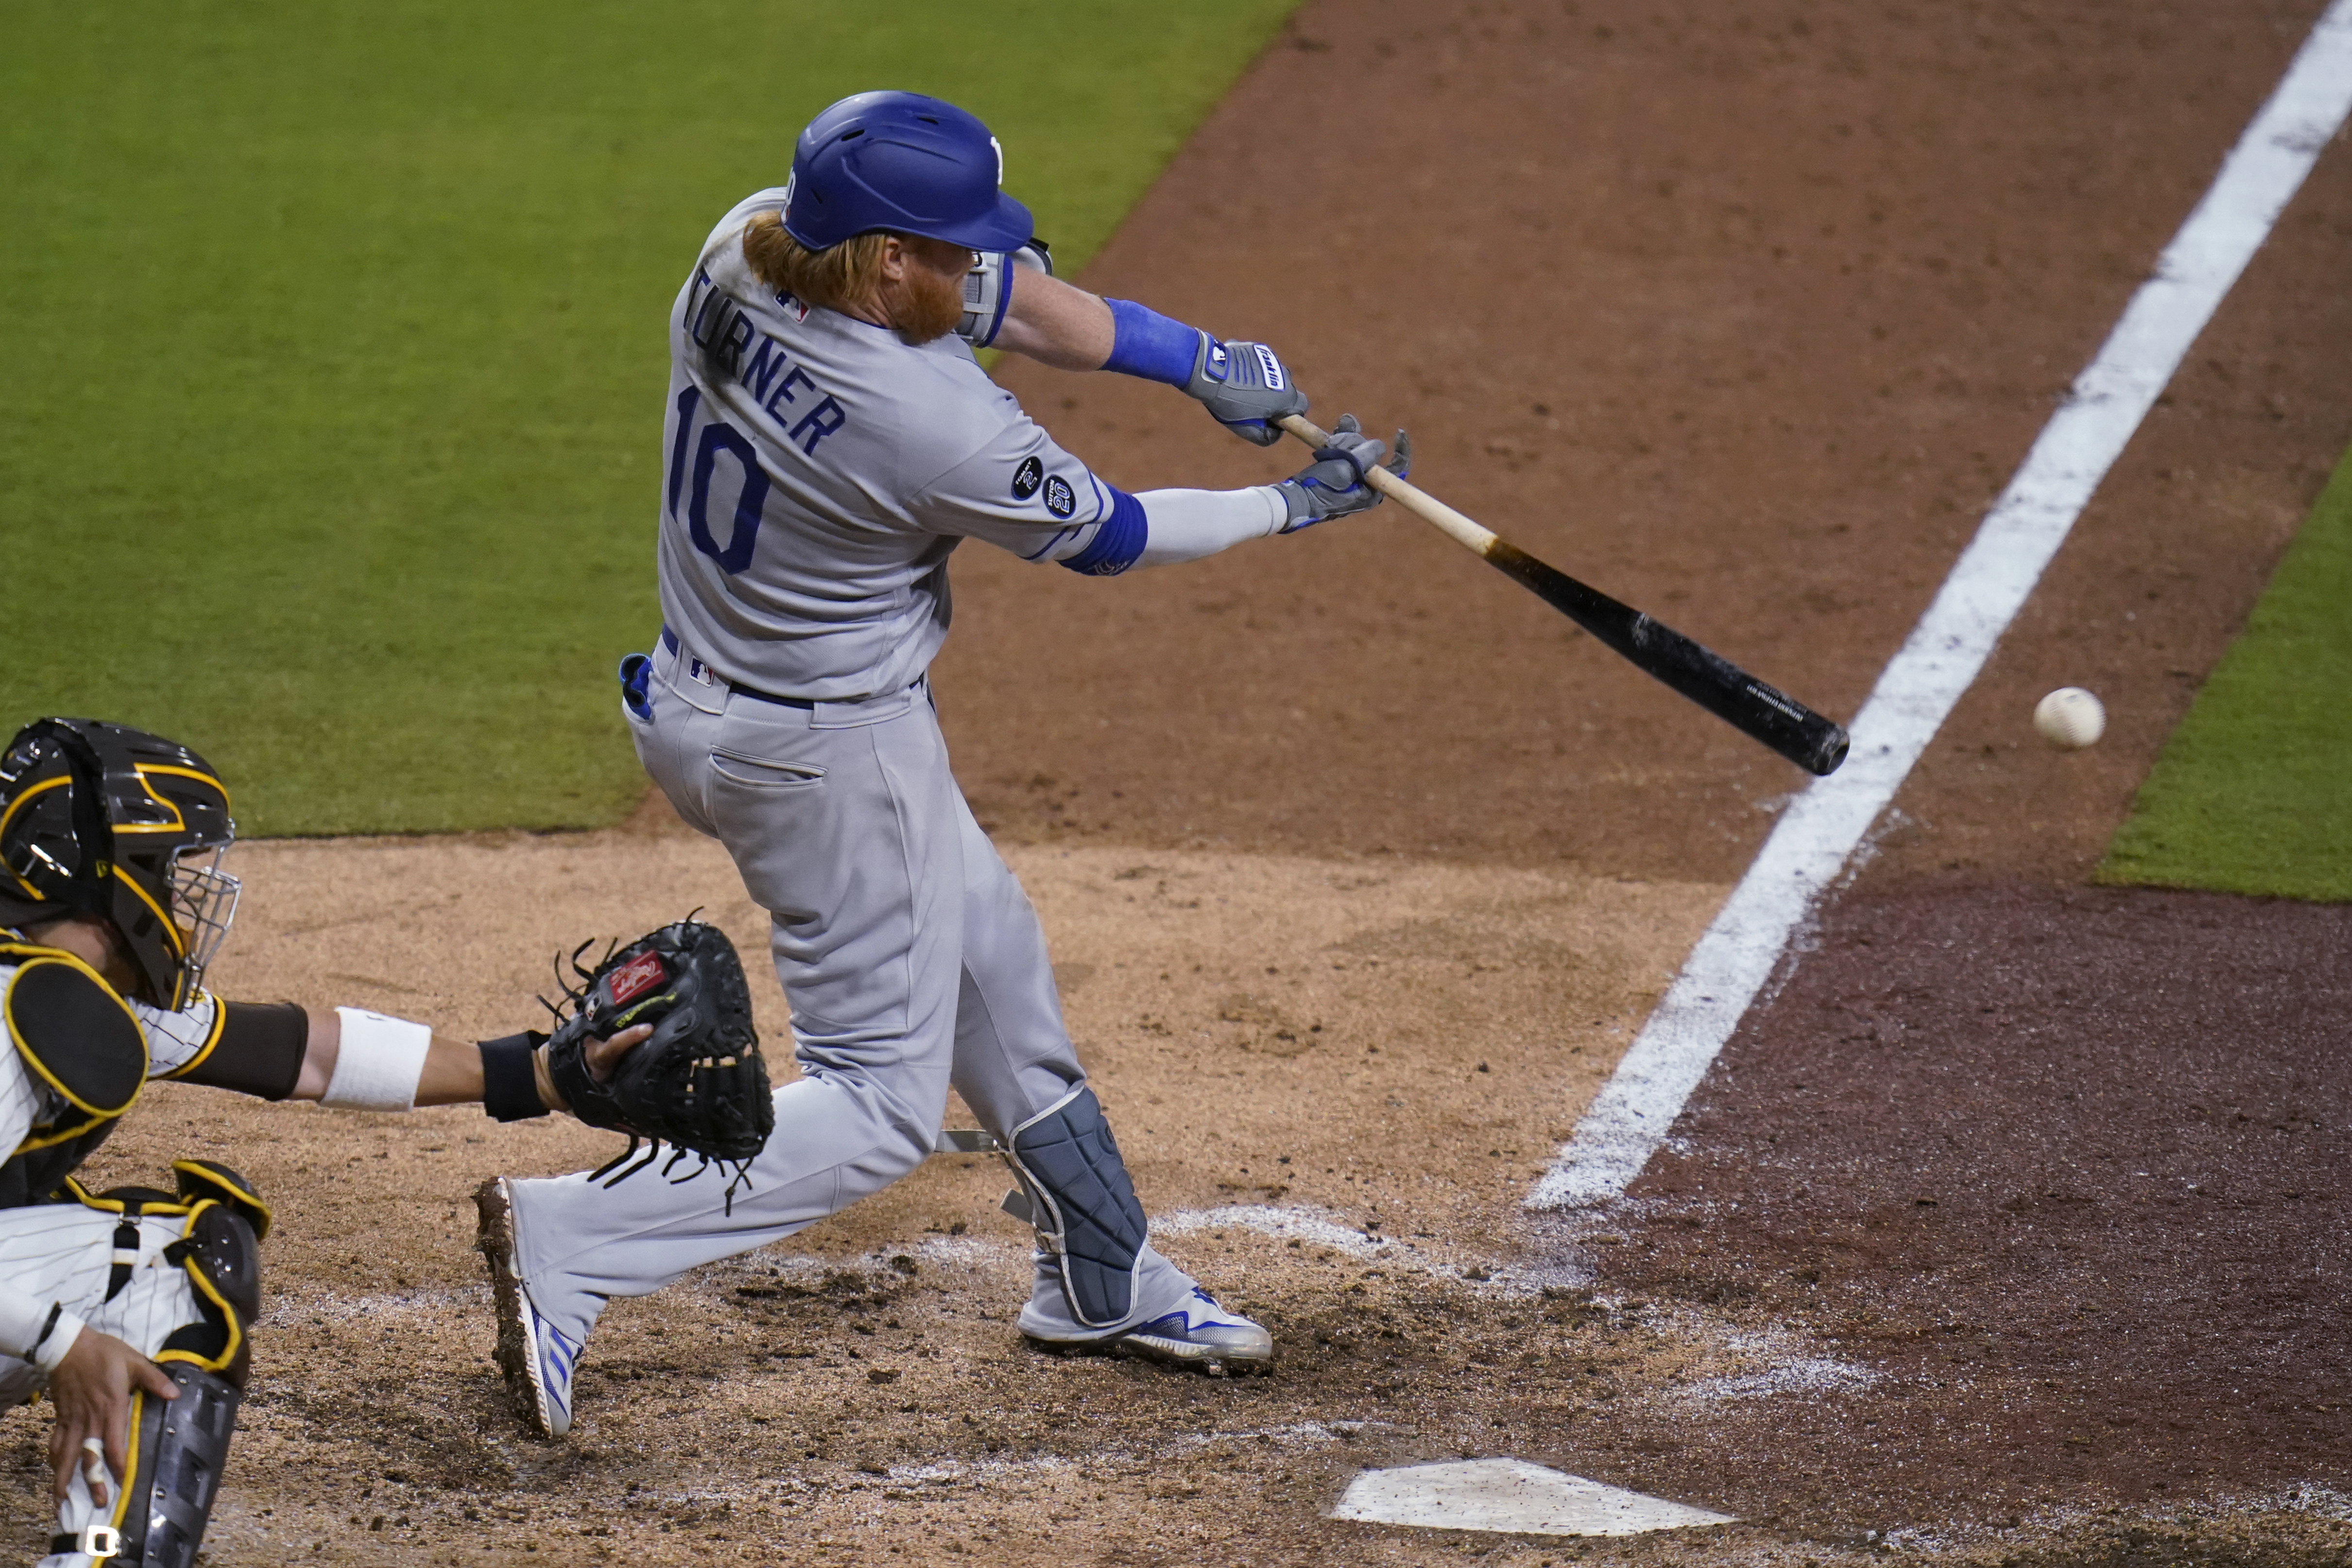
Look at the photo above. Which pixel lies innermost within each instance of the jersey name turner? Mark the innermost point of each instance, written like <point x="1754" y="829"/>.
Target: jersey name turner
<point x="723" y="330"/>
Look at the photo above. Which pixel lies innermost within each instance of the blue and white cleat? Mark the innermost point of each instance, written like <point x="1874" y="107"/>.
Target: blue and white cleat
<point x="1199" y="1333"/>
<point x="538" y="1361"/>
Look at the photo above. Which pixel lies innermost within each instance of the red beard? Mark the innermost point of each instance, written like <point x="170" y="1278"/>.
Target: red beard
<point x="929" y="306"/>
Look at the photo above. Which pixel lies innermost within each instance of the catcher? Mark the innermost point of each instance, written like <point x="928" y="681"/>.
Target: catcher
<point x="132" y="1307"/>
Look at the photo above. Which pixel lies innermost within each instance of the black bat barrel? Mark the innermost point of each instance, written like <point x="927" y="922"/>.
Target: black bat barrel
<point x="1814" y="743"/>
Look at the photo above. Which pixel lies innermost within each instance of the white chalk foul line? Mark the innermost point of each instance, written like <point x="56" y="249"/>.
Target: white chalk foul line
<point x="1915" y="693"/>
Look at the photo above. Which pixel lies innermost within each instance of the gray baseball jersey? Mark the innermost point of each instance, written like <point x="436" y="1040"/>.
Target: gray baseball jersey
<point x="820" y="470"/>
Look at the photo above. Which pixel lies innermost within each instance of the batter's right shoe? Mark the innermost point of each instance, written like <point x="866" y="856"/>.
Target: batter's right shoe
<point x="538" y="1361"/>
<point x="1199" y="1333"/>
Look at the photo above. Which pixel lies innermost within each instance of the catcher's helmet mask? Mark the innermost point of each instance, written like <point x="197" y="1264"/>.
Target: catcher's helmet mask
<point x="903" y="162"/>
<point x="120" y="826"/>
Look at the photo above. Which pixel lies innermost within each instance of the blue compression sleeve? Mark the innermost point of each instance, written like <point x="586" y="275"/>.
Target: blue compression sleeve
<point x="1147" y="344"/>
<point x="1117" y="542"/>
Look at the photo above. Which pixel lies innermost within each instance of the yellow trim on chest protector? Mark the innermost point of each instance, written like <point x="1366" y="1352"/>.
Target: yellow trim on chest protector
<point x="74" y="1033"/>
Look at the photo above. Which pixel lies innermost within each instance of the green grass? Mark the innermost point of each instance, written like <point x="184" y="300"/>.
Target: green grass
<point x="2253" y="793"/>
<point x="334" y="347"/>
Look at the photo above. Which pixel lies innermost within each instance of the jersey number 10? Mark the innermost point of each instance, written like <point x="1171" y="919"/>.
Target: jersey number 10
<point x="751" y="499"/>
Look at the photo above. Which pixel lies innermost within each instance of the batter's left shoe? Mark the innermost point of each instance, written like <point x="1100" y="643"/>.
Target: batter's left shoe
<point x="538" y="1359"/>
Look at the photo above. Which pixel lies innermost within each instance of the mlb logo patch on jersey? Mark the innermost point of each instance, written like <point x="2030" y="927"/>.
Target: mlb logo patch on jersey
<point x="636" y="977"/>
<point x="1027" y="477"/>
<point x="700" y="673"/>
<point x="1060" y="499"/>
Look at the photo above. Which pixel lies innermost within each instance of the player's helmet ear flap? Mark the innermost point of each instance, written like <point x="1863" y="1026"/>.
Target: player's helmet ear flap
<point x="107" y="821"/>
<point x="905" y="163"/>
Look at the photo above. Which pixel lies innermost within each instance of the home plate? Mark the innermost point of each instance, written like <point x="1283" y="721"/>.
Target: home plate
<point x="1511" y="1495"/>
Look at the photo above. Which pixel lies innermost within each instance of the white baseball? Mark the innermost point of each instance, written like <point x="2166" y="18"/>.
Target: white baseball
<point x="2070" y="719"/>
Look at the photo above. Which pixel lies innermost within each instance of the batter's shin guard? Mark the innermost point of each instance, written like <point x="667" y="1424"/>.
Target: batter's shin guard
<point x="177" y="1449"/>
<point x="1082" y="1204"/>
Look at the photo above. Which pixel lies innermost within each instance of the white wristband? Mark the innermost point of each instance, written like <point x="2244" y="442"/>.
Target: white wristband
<point x="379" y="1063"/>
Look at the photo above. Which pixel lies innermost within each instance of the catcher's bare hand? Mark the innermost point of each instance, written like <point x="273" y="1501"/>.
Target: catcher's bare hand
<point x="91" y="1389"/>
<point x="603" y="1056"/>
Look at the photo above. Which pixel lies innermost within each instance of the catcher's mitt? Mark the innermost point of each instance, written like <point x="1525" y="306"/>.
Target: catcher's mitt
<point x="697" y="1083"/>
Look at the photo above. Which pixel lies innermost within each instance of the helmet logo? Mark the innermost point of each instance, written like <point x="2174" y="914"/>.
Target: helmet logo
<point x="999" y="148"/>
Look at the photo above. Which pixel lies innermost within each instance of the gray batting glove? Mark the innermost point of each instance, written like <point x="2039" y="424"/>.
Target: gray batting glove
<point x="1246" y="387"/>
<point x="1333" y="484"/>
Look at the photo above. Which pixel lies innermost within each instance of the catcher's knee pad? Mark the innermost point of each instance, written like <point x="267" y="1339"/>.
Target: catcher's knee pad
<point x="224" y="1264"/>
<point x="1082" y="1204"/>
<point x="178" y="1449"/>
<point x="199" y="1179"/>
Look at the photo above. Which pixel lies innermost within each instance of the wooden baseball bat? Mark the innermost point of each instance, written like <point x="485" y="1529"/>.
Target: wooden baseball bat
<point x="1814" y="743"/>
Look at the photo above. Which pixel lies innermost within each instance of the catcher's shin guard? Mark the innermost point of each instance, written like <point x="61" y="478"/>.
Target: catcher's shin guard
<point x="1082" y="1204"/>
<point x="178" y="1447"/>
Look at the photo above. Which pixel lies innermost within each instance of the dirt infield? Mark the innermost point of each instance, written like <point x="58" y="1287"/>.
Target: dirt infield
<point x="2064" y="1168"/>
<point x="1331" y="1078"/>
<point x="1360" y="867"/>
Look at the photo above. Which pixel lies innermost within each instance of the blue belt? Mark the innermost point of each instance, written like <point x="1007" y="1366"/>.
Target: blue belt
<point x="670" y="644"/>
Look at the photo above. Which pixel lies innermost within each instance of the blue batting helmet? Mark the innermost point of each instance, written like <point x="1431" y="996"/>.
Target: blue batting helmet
<point x="901" y="162"/>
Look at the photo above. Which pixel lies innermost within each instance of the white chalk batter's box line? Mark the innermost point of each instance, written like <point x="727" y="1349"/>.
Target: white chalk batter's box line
<point x="1822" y="834"/>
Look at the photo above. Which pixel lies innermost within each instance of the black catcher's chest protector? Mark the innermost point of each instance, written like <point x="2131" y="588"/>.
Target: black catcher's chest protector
<point x="84" y="1054"/>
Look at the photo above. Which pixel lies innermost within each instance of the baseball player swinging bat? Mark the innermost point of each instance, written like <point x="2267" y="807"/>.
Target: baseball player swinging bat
<point x="1814" y="743"/>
